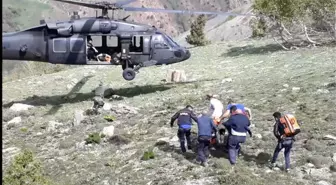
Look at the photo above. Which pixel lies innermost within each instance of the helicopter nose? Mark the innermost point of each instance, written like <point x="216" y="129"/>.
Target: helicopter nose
<point x="187" y="54"/>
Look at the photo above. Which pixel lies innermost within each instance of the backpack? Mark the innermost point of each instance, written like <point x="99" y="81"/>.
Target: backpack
<point x="291" y="125"/>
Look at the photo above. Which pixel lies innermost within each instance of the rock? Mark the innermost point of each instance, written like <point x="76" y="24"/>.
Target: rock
<point x="286" y="85"/>
<point x="124" y="109"/>
<point x="108" y="131"/>
<point x="329" y="137"/>
<point x="334" y="158"/>
<point x="319" y="161"/>
<point x="330" y="117"/>
<point x="296" y="89"/>
<point x="79" y="117"/>
<point x="174" y="139"/>
<point x="323" y="183"/>
<point x="322" y="173"/>
<point x="107" y="106"/>
<point x="322" y="91"/>
<point x="310" y="165"/>
<point x="176" y="76"/>
<point x="20" y="107"/>
<point x="69" y="86"/>
<point x="116" y="97"/>
<point x="333" y="167"/>
<point x="15" y="120"/>
<point x="313" y="145"/>
<point x="53" y="125"/>
<point x="72" y="96"/>
<point x="227" y="80"/>
<point x="259" y="136"/>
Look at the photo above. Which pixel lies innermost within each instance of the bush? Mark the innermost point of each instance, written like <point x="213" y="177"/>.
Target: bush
<point x="25" y="170"/>
<point x="94" y="138"/>
<point x="109" y="118"/>
<point x="197" y="36"/>
<point x="148" y="155"/>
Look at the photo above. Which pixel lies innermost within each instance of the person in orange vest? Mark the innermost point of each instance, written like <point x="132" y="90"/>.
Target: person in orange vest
<point x="285" y="129"/>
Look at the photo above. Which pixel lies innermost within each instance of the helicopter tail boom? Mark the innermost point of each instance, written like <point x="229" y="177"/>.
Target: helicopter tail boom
<point x="25" y="45"/>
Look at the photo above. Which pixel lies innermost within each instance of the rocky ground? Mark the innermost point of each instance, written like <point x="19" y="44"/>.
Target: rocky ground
<point x="47" y="115"/>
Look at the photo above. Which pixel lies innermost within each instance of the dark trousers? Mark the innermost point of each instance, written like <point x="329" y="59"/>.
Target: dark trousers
<point x="203" y="148"/>
<point x="287" y="145"/>
<point x="182" y="135"/>
<point x="234" y="147"/>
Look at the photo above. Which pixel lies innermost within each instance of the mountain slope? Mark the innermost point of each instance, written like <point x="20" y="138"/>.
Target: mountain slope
<point x="255" y="73"/>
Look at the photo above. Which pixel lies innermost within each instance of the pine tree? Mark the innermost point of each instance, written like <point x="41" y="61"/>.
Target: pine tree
<point x="197" y="36"/>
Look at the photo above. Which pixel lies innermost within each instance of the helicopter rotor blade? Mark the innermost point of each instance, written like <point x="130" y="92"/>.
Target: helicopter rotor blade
<point x="124" y="2"/>
<point x="182" y="11"/>
<point x="89" y="5"/>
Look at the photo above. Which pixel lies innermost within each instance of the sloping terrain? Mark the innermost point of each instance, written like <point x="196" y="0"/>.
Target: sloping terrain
<point x="255" y="73"/>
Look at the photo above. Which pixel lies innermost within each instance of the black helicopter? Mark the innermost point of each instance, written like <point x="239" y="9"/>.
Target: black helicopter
<point x="98" y="40"/>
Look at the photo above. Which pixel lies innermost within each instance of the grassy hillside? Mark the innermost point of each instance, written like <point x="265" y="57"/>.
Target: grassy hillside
<point x="255" y="73"/>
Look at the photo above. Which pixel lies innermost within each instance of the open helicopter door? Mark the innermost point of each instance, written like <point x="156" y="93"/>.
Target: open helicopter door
<point x="71" y="50"/>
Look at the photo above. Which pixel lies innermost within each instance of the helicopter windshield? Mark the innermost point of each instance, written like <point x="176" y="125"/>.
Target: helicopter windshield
<point x="171" y="41"/>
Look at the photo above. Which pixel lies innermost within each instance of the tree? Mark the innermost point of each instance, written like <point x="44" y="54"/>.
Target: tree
<point x="297" y="22"/>
<point x="197" y="36"/>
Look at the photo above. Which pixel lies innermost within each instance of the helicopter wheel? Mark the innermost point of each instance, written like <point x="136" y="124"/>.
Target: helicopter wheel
<point x="128" y="74"/>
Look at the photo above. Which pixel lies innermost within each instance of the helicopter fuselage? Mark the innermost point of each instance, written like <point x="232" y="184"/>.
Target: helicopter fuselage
<point x="68" y="42"/>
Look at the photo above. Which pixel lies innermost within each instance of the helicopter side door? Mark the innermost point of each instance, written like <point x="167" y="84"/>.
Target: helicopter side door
<point x="71" y="50"/>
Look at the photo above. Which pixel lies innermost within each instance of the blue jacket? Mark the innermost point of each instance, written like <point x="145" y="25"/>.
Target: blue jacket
<point x="238" y="125"/>
<point x="205" y="126"/>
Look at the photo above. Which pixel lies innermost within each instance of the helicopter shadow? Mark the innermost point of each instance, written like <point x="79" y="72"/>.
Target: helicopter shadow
<point x="58" y="100"/>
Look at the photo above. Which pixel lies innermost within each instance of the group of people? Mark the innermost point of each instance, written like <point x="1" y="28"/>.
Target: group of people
<point x="212" y="127"/>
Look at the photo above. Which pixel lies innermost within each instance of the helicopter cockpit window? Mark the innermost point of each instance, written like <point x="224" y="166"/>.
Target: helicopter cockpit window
<point x="161" y="46"/>
<point x="172" y="42"/>
<point x="112" y="41"/>
<point x="59" y="45"/>
<point x="160" y="42"/>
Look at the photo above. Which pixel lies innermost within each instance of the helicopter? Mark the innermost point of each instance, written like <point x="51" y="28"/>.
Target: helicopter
<point x="99" y="40"/>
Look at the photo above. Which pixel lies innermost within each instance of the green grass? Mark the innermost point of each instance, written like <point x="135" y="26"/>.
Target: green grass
<point x="259" y="72"/>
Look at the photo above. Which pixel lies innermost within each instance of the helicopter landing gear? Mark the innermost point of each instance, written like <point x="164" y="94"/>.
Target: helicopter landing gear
<point x="145" y="64"/>
<point x="128" y="71"/>
<point x="128" y="74"/>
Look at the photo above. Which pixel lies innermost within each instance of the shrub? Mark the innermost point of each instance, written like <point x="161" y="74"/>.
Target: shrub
<point x="25" y="170"/>
<point x="148" y="155"/>
<point x="94" y="138"/>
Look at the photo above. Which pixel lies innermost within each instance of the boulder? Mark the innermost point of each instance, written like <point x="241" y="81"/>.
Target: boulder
<point x="108" y="131"/>
<point x="323" y="183"/>
<point x="107" y="106"/>
<point x="329" y="137"/>
<point x="20" y="107"/>
<point x="334" y="158"/>
<point x="15" y="120"/>
<point x="79" y="117"/>
<point x="319" y="161"/>
<point x="176" y="76"/>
